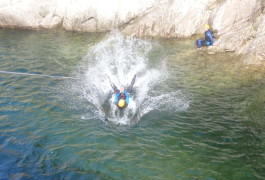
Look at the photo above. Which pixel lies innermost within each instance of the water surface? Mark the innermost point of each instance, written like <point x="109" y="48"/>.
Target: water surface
<point x="192" y="115"/>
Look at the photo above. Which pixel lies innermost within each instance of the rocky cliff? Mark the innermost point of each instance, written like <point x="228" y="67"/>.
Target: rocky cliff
<point x="239" y="24"/>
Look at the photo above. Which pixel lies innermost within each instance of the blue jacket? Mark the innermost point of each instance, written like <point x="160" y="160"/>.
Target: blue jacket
<point x="126" y="97"/>
<point x="208" y="38"/>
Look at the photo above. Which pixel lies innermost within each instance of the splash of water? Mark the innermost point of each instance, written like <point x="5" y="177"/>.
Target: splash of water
<point x="120" y="58"/>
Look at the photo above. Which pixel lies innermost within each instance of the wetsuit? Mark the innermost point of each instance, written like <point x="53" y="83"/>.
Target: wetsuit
<point x="124" y="95"/>
<point x="208" y="41"/>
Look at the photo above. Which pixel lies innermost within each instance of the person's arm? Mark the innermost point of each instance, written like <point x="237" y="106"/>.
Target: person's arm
<point x="129" y="89"/>
<point x="115" y="89"/>
<point x="116" y="98"/>
<point x="127" y="97"/>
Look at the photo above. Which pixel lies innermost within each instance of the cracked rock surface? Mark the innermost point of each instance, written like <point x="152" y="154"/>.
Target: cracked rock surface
<point x="239" y="25"/>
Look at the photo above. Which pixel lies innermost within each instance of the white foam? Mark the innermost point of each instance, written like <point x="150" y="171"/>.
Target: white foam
<point x="121" y="58"/>
<point x="169" y="102"/>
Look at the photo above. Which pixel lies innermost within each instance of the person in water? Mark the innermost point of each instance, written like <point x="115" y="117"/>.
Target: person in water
<point x="121" y="99"/>
<point x="208" y="41"/>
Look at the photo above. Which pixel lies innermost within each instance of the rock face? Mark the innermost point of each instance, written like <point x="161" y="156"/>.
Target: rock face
<point x="238" y="24"/>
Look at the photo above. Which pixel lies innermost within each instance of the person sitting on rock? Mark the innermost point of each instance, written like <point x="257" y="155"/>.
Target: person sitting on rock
<point x="208" y="41"/>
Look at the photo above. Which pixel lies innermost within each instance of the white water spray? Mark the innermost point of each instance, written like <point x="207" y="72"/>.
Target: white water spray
<point x="120" y="58"/>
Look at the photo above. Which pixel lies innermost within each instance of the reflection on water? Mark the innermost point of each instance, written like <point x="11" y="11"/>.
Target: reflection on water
<point x="51" y="129"/>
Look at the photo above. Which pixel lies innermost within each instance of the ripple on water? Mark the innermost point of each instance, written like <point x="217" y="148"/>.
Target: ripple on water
<point x="201" y="118"/>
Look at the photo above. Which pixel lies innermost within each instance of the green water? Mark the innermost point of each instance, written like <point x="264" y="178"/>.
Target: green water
<point x="47" y="133"/>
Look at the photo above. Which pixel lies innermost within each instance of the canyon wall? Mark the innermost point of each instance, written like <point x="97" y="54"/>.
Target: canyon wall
<point x="239" y="25"/>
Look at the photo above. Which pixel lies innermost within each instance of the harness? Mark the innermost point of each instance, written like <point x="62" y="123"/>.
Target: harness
<point x="122" y="96"/>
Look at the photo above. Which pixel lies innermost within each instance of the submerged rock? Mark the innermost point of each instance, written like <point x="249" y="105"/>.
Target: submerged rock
<point x="239" y="24"/>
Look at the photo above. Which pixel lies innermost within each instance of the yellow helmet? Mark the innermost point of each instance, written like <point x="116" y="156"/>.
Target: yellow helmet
<point x="207" y="26"/>
<point x="121" y="102"/>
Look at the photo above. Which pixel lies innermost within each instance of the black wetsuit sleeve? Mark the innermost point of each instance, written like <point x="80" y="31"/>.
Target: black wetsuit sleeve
<point x="115" y="89"/>
<point x="129" y="89"/>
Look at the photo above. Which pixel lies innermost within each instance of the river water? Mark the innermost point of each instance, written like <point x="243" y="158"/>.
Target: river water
<point x="192" y="114"/>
